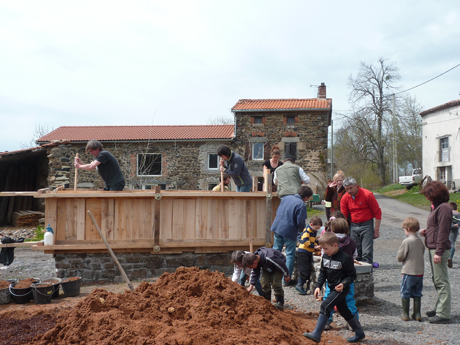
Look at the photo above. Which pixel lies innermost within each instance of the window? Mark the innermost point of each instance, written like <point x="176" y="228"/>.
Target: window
<point x="149" y="164"/>
<point x="257" y="119"/>
<point x="290" y="149"/>
<point x="442" y="174"/>
<point x="151" y="186"/>
<point x="257" y="151"/>
<point x="213" y="163"/>
<point x="290" y="120"/>
<point x="444" y="142"/>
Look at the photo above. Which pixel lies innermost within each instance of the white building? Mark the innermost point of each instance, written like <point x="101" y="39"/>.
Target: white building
<point x="441" y="143"/>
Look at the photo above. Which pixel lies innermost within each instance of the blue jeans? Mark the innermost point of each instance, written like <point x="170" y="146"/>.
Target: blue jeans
<point x="411" y="286"/>
<point x="363" y="234"/>
<point x="278" y="244"/>
<point x="246" y="188"/>
<point x="453" y="239"/>
<point x="258" y="286"/>
<point x="351" y="303"/>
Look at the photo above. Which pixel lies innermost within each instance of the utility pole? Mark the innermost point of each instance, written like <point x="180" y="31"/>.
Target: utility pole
<point x="332" y="149"/>
<point x="395" y="150"/>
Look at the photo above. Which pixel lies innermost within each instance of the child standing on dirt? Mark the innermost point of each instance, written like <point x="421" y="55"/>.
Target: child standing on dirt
<point x="339" y="227"/>
<point x="270" y="265"/>
<point x="338" y="270"/>
<point x="410" y="253"/>
<point x="453" y="231"/>
<point x="308" y="244"/>
<point x="240" y="273"/>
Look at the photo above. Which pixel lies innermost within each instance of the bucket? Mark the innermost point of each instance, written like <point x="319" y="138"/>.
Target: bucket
<point x="56" y="285"/>
<point x="43" y="293"/>
<point x="71" y="286"/>
<point x="5" y="296"/>
<point x="20" y="296"/>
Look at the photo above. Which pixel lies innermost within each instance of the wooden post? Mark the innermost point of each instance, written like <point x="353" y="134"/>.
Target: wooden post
<point x="156" y="234"/>
<point x="266" y="173"/>
<point x="76" y="177"/>
<point x="131" y="287"/>
<point x="255" y="181"/>
<point x="268" y="209"/>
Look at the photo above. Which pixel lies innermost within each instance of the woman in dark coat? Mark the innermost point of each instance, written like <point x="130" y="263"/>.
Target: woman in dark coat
<point x="334" y="192"/>
<point x="437" y="241"/>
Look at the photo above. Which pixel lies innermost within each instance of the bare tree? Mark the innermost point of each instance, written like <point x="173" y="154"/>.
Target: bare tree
<point x="409" y="136"/>
<point x="221" y="120"/>
<point x="39" y="132"/>
<point x="372" y="109"/>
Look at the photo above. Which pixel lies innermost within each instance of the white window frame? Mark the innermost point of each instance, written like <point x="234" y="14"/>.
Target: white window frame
<point x="208" y="167"/>
<point x="444" y="147"/>
<point x="161" y="162"/>
<point x="254" y="158"/>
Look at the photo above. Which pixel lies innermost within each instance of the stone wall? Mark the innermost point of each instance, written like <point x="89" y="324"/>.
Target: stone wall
<point x="102" y="268"/>
<point x="309" y="132"/>
<point x="184" y="165"/>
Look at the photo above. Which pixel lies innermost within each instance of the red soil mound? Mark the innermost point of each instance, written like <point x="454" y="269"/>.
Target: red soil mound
<point x="190" y="306"/>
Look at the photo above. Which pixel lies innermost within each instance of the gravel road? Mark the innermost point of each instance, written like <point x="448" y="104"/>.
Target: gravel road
<point x="381" y="320"/>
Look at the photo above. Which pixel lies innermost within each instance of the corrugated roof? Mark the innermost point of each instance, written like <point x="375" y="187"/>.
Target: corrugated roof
<point x="283" y="104"/>
<point x="441" y="107"/>
<point x="133" y="133"/>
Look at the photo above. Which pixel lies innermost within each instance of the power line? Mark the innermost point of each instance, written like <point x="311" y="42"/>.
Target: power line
<point x="427" y="80"/>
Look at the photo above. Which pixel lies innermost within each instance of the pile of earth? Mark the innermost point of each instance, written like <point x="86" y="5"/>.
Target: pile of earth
<point x="189" y="306"/>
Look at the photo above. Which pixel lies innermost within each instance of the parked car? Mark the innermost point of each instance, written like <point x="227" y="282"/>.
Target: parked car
<point x="411" y="180"/>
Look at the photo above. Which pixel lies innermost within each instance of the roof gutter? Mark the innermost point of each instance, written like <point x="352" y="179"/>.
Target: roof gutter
<point x="144" y="140"/>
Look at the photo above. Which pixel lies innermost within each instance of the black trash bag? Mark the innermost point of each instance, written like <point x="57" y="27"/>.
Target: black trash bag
<point x="7" y="254"/>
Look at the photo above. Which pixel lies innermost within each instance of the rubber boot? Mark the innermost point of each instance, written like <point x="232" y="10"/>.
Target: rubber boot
<point x="357" y="328"/>
<point x="268" y="295"/>
<point x="299" y="287"/>
<point x="279" y="302"/>
<point x="316" y="334"/>
<point x="417" y="315"/>
<point x="405" y="302"/>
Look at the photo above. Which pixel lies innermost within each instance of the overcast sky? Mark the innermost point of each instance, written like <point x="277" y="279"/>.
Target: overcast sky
<point x="66" y="63"/>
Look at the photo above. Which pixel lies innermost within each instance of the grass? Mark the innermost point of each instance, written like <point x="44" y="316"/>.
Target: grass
<point x="39" y="234"/>
<point x="314" y="212"/>
<point x="412" y="196"/>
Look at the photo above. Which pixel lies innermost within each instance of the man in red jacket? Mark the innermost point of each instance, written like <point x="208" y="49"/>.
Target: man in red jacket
<point x="362" y="206"/>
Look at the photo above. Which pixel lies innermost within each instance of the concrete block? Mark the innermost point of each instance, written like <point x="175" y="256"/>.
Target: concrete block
<point x="363" y="267"/>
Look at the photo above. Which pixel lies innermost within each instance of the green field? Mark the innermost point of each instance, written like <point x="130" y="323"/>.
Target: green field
<point x="412" y="196"/>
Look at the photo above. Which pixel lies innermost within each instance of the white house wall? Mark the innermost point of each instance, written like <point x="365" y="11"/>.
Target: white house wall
<point x="443" y="123"/>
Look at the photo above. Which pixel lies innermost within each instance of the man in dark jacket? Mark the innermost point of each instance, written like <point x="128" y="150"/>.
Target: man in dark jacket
<point x="235" y="168"/>
<point x="270" y="265"/>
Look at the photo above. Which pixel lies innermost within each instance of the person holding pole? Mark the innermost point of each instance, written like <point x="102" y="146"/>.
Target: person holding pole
<point x="225" y="179"/>
<point x="106" y="165"/>
<point x="232" y="164"/>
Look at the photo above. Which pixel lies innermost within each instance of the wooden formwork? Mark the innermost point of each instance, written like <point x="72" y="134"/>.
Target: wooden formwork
<point x="159" y="221"/>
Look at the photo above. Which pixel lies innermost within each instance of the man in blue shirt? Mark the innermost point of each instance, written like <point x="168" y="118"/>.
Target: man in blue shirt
<point x="290" y="219"/>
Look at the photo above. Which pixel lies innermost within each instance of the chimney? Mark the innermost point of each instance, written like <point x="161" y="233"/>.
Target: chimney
<point x="322" y="91"/>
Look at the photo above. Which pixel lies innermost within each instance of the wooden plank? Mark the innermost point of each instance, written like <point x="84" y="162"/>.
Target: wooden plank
<point x="178" y="219"/>
<point x="107" y="218"/>
<point x="18" y="194"/>
<point x="233" y="219"/>
<point x="156" y="216"/>
<point x="166" y="219"/>
<point x="70" y="219"/>
<point x="224" y="219"/>
<point x="95" y="206"/>
<point x="80" y="218"/>
<point x="61" y="223"/>
<point x="189" y="218"/>
<point x="120" y="219"/>
<point x="201" y="217"/>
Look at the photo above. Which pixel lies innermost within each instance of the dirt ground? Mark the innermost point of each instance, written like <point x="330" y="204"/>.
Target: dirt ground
<point x="190" y="306"/>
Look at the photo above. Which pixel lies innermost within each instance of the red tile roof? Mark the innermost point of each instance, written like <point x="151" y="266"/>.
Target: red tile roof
<point x="283" y="104"/>
<point x="441" y="107"/>
<point x="139" y="133"/>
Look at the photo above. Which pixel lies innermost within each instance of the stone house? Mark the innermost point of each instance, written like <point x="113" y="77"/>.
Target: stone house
<point x="441" y="143"/>
<point x="184" y="157"/>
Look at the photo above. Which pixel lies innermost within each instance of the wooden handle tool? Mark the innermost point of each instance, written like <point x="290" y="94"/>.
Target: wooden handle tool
<point x="76" y="177"/>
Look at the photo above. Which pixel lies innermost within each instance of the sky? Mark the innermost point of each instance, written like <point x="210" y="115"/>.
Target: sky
<point x="98" y="63"/>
